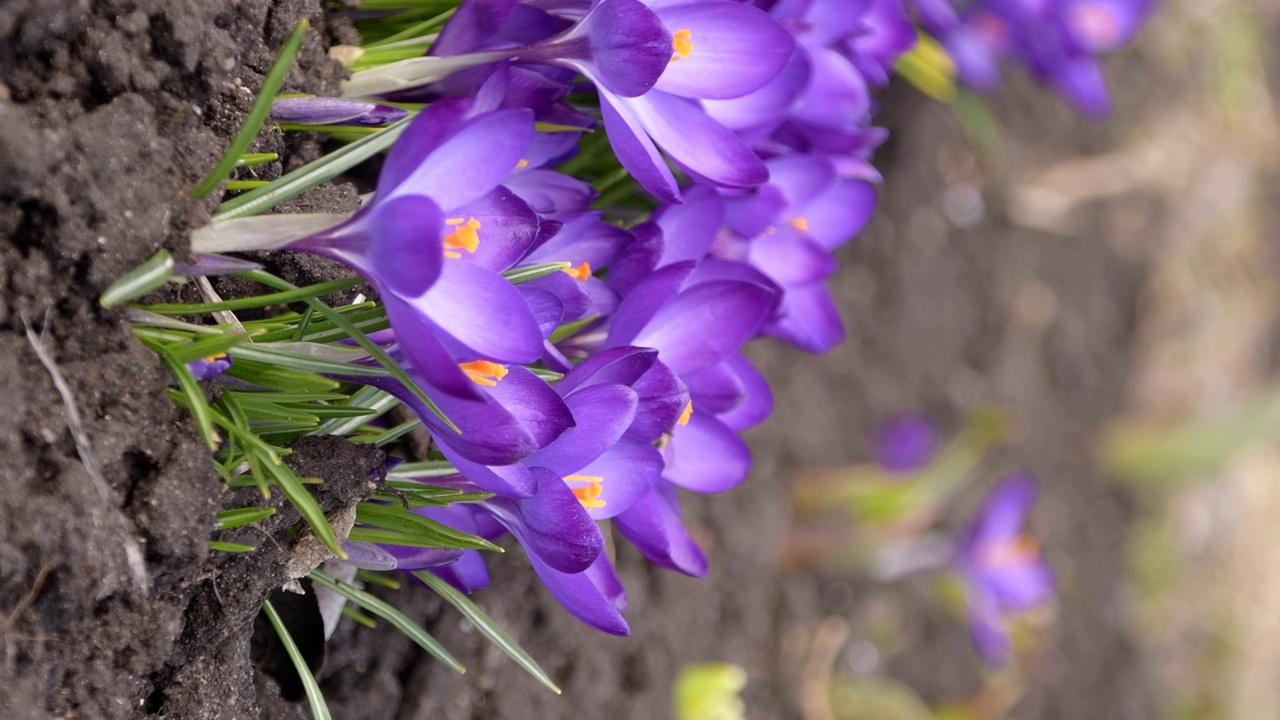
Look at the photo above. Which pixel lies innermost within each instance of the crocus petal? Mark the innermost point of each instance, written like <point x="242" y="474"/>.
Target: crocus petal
<point x="706" y="323"/>
<point x="702" y="147"/>
<point x="570" y="293"/>
<point x="620" y="365"/>
<point x="715" y="389"/>
<point x="689" y="229"/>
<point x="482" y="314"/>
<point x="582" y="238"/>
<point x="547" y="309"/>
<point x="368" y="556"/>
<point x="1080" y="81"/>
<point x="551" y="524"/>
<point x="791" y="258"/>
<point x="630" y="141"/>
<point x="653" y="525"/>
<point x="467" y="164"/>
<point x="646" y="300"/>
<point x="986" y="629"/>
<point x="706" y="456"/>
<point x="550" y="192"/>
<point x="468" y="574"/>
<point x="801" y="178"/>
<point x="508" y="227"/>
<point x="810" y="319"/>
<point x="736" y="49"/>
<point x="628" y="471"/>
<point x="534" y="403"/>
<point x="758" y="403"/>
<point x="602" y="413"/>
<point x="906" y="443"/>
<point x="1005" y="509"/>
<point x="663" y="399"/>
<point x="837" y="95"/>
<point x="629" y="46"/>
<point x="419" y="558"/>
<point x="510" y="479"/>
<point x="472" y="25"/>
<point x="431" y="360"/>
<point x="590" y="596"/>
<point x="1021" y="587"/>
<point x="839" y="212"/>
<point x="637" y="259"/>
<point x="404" y="243"/>
<point x="765" y="107"/>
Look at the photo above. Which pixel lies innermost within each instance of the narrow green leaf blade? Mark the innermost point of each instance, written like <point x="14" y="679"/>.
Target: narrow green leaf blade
<point x="388" y="612"/>
<point x="257" y="113"/>
<point x="228" y="519"/>
<point x="487" y="627"/>
<point x="315" y="699"/>
<point x="139" y="281"/>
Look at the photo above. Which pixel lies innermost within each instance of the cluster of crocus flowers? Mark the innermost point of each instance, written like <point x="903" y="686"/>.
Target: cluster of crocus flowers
<point x="1059" y="41"/>
<point x="496" y="273"/>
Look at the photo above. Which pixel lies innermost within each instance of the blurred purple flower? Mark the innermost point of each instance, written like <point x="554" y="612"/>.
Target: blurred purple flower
<point x="906" y="443"/>
<point x="209" y="367"/>
<point x="313" y="110"/>
<point x="1001" y="566"/>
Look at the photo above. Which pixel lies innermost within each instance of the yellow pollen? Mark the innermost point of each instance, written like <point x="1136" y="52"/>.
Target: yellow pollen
<point x="682" y="43"/>
<point x="484" y="372"/>
<point x="522" y="164"/>
<point x="582" y="272"/>
<point x="688" y="413"/>
<point x="1019" y="552"/>
<point x="215" y="356"/>
<point x="588" y="495"/>
<point x="799" y="223"/>
<point x="465" y="236"/>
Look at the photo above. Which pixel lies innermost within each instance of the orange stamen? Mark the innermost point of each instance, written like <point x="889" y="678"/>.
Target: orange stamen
<point x="465" y="236"/>
<point x="588" y="495"/>
<point x="682" y="43"/>
<point x="522" y="164"/>
<point x="1019" y="552"/>
<point x="582" y="272"/>
<point x="484" y="372"/>
<point x="799" y="223"/>
<point x="688" y="413"/>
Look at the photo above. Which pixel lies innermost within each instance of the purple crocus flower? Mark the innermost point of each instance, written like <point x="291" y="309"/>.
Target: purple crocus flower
<point x="906" y="443"/>
<point x="431" y="237"/>
<point x="788" y="231"/>
<point x="720" y="50"/>
<point x="562" y="543"/>
<point x="207" y="368"/>
<point x="1001" y="566"/>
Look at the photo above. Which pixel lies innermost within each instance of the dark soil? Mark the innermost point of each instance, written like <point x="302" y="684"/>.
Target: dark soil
<point x="114" y="110"/>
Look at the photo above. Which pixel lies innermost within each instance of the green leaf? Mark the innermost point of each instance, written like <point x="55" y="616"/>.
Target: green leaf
<point x="395" y="517"/>
<point x="191" y="394"/>
<point x="257" y="301"/>
<point x="377" y="578"/>
<point x="533" y="272"/>
<point x="281" y="378"/>
<point x="228" y="519"/>
<point x="248" y="160"/>
<point x="206" y="347"/>
<point x="315" y="699"/>
<point x="388" y="612"/>
<point x="487" y="627"/>
<point x="378" y="403"/>
<point x="396" y="432"/>
<point x="257" y="114"/>
<point x="221" y="546"/>
<point x="362" y="340"/>
<point x="545" y="374"/>
<point x="311" y="174"/>
<point x="294" y="360"/>
<point x="359" y="617"/>
<point x="425" y="468"/>
<point x="570" y="328"/>
<point x="139" y="281"/>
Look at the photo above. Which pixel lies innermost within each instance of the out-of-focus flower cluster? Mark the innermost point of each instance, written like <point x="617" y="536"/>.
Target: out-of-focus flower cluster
<point x="750" y="123"/>
<point x="1058" y="41"/>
